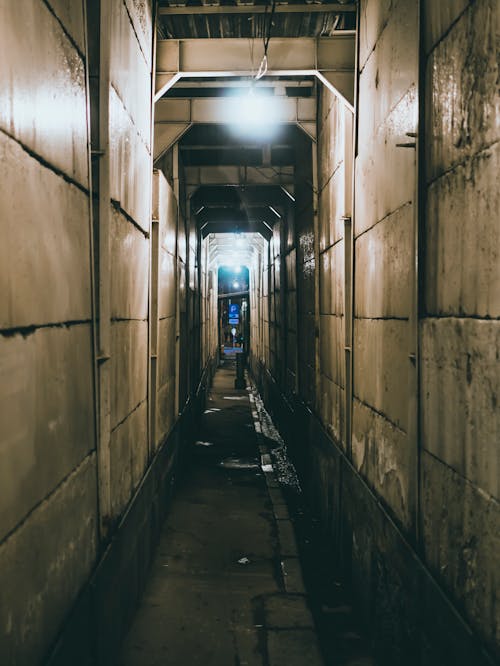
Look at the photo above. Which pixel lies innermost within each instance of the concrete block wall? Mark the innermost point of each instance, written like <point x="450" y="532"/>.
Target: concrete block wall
<point x="306" y="272"/>
<point x="266" y="281"/>
<point x="164" y="285"/>
<point x="410" y="499"/>
<point x="460" y="328"/>
<point x="47" y="407"/>
<point x="209" y="307"/>
<point x="331" y="191"/>
<point x="289" y="294"/>
<point x="383" y="231"/>
<point x="130" y="49"/>
<point x="275" y="323"/>
<point x="258" y="310"/>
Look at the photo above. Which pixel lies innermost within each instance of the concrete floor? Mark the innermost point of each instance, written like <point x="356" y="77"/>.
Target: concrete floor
<point x="226" y="585"/>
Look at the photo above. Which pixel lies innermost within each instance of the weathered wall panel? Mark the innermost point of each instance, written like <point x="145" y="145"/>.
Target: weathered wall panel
<point x="48" y="514"/>
<point x="460" y="419"/>
<point x="42" y="576"/>
<point x="129" y="448"/>
<point x="43" y="107"/>
<point x="45" y="242"/>
<point x="462" y="544"/>
<point x="129" y="277"/>
<point x="71" y="14"/>
<point x="460" y="336"/>
<point x="128" y="367"/>
<point x="462" y="240"/>
<point x="130" y="66"/>
<point x="379" y="367"/>
<point x="383" y="260"/>
<point x="462" y="100"/>
<point x="130" y="164"/>
<point x="380" y="453"/>
<point x="46" y="412"/>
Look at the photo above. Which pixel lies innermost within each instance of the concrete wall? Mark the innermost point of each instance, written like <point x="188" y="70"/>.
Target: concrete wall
<point x="47" y="415"/>
<point x="129" y="171"/>
<point x="83" y="474"/>
<point x="306" y="272"/>
<point x="402" y="465"/>
<point x="209" y="307"/>
<point x="383" y="231"/>
<point x="460" y="328"/>
<point x="164" y="315"/>
<point x="332" y="176"/>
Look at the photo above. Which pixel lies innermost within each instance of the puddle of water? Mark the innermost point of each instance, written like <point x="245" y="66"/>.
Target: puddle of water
<point x="238" y="463"/>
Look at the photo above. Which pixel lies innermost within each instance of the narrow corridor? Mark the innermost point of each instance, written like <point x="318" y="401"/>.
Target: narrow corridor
<point x="313" y="185"/>
<point x="228" y="556"/>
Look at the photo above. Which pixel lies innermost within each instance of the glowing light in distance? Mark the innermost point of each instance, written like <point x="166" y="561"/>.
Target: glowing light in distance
<point x="237" y="269"/>
<point x="236" y="285"/>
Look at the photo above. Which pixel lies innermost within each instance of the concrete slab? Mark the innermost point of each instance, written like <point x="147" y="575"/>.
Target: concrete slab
<point x="43" y="107"/>
<point x="293" y="648"/>
<point x="288" y="612"/>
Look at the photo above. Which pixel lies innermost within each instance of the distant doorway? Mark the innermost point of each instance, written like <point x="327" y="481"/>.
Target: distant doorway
<point x="234" y="310"/>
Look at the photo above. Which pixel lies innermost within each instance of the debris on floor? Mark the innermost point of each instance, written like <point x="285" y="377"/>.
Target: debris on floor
<point x="243" y="560"/>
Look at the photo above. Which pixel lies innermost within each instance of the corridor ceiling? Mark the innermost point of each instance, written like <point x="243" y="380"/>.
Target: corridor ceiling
<point x="245" y="18"/>
<point x="208" y="53"/>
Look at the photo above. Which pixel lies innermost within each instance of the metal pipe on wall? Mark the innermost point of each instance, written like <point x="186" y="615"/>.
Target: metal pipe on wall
<point x="92" y="258"/>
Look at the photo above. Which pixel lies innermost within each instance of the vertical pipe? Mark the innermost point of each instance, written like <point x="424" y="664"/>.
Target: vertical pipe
<point x="415" y="303"/>
<point x="93" y="295"/>
<point x="152" y="275"/>
<point x="175" y="164"/>
<point x="104" y="282"/>
<point x="348" y="275"/>
<point x="153" y="314"/>
<point x="317" y="374"/>
<point x="283" y="301"/>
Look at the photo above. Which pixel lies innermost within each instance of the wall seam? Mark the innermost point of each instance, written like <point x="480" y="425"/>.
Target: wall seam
<point x="73" y="472"/>
<point x="463" y="163"/>
<point x="468" y="482"/>
<point x="382" y="219"/>
<point x="379" y="413"/>
<point x="64" y="29"/>
<point x="45" y="163"/>
<point x="30" y="329"/>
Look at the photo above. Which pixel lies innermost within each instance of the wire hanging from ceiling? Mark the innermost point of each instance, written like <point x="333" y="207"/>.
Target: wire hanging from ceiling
<point x="267" y="36"/>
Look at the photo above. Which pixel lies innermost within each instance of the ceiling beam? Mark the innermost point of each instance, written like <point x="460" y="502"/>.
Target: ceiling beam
<point x="251" y="226"/>
<point x="335" y="8"/>
<point x="221" y="109"/>
<point x="236" y="216"/>
<point x="238" y="175"/>
<point x="330" y="59"/>
<point x="247" y="197"/>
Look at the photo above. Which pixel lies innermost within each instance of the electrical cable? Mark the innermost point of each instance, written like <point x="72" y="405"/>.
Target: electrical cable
<point x="267" y="36"/>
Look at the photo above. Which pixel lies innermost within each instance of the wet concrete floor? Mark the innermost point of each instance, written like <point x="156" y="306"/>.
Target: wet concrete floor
<point x="226" y="586"/>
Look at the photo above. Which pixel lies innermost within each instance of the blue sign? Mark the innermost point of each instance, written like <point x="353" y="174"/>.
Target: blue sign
<point x="234" y="310"/>
<point x="234" y="320"/>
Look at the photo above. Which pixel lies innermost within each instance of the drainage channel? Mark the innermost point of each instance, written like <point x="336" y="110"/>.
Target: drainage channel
<point x="341" y="642"/>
